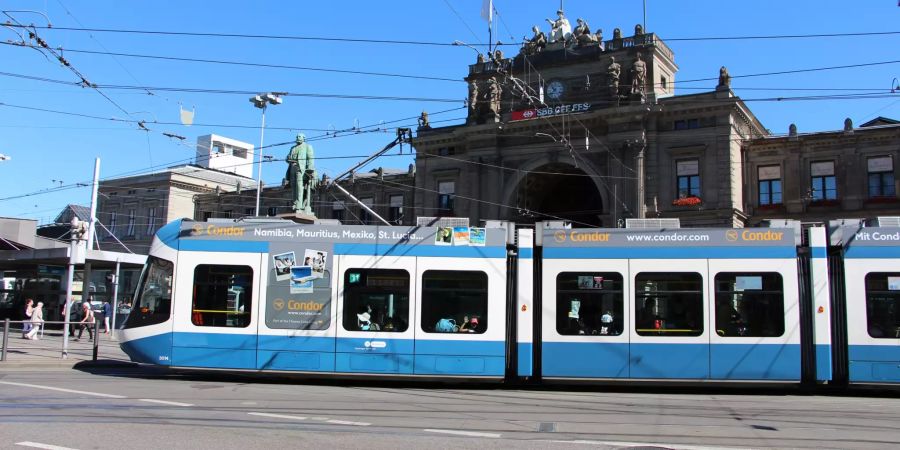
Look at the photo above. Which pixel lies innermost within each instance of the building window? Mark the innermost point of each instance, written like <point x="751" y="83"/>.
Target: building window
<point x="249" y="212"/>
<point x="669" y="304"/>
<point x="823" y="183"/>
<point x="272" y="211"/>
<point x="151" y="221"/>
<point x="376" y="300"/>
<point x="227" y="213"/>
<point x="130" y="230"/>
<point x="446" y="194"/>
<point x="218" y="147"/>
<point x="883" y="305"/>
<point x="881" y="177"/>
<point x="446" y="151"/>
<point x="688" y="173"/>
<point x="395" y="213"/>
<point x="749" y="304"/>
<point x="686" y="124"/>
<point x="769" y="185"/>
<point x="337" y="210"/>
<point x="364" y="217"/>
<point x="239" y="152"/>
<point x="589" y="303"/>
<point x="222" y="296"/>
<point x="454" y="301"/>
<point x="663" y="83"/>
<point x="113" y="219"/>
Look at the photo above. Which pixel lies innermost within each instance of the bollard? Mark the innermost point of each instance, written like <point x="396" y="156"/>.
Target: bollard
<point x="96" y="337"/>
<point x="5" y="339"/>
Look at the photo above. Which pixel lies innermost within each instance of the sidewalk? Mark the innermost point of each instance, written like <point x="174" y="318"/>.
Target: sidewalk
<point x="47" y="351"/>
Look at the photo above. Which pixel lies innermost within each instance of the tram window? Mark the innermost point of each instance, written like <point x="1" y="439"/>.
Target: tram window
<point x="153" y="303"/>
<point x="589" y="303"/>
<point x="454" y="301"/>
<point x="668" y="304"/>
<point x="883" y="305"/>
<point x="749" y="304"/>
<point x="222" y="296"/>
<point x="376" y="300"/>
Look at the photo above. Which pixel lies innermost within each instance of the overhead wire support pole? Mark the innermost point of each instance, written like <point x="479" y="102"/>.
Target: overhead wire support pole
<point x="403" y="134"/>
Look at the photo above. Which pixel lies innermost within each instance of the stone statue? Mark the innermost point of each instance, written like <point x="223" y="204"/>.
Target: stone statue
<point x="423" y="121"/>
<point x="613" y="72"/>
<point x="724" y="78"/>
<point x="480" y="58"/>
<point x="301" y="174"/>
<point x="848" y="124"/>
<point x="792" y="130"/>
<point x="537" y="42"/>
<point x="473" y="98"/>
<point x="582" y="33"/>
<point x="617" y="34"/>
<point x="493" y="93"/>
<point x="638" y="76"/>
<point x="560" y="29"/>
<point x="638" y="30"/>
<point x="598" y="37"/>
<point x="498" y="55"/>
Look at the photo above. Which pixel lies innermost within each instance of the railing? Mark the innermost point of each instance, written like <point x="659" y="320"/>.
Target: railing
<point x="64" y="347"/>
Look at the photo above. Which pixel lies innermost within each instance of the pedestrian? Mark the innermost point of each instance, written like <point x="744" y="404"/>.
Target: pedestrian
<point x="37" y="321"/>
<point x="29" y="310"/>
<point x="87" y="321"/>
<point x="107" y="313"/>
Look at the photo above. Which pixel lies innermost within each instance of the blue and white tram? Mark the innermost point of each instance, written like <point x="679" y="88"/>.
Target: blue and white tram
<point x="722" y="305"/>
<point x="698" y="304"/>
<point x="329" y="299"/>
<point x="866" y="265"/>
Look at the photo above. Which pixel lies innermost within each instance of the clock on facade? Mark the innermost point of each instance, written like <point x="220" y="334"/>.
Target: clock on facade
<point x="555" y="89"/>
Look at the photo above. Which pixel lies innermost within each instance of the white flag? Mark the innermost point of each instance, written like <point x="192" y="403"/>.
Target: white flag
<point x="487" y="10"/>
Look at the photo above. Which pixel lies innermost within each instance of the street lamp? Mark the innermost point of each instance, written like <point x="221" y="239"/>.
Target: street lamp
<point x="463" y="44"/>
<point x="261" y="101"/>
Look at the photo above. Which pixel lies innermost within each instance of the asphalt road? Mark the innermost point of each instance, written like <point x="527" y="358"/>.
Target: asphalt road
<point x="135" y="408"/>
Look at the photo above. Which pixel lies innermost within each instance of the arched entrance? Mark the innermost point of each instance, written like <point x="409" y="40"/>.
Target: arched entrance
<point x="557" y="190"/>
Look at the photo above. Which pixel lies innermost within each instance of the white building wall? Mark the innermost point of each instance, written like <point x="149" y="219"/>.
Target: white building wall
<point x="228" y="155"/>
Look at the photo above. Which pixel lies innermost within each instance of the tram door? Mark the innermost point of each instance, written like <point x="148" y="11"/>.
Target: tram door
<point x="375" y="314"/>
<point x="873" y="318"/>
<point x="217" y="312"/>
<point x="584" y="318"/>
<point x="669" y="310"/>
<point x="461" y="327"/>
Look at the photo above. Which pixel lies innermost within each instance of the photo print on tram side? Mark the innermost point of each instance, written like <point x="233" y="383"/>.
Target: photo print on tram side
<point x="302" y="300"/>
<point x="376" y="300"/>
<point x="589" y="303"/>
<point x="283" y="264"/>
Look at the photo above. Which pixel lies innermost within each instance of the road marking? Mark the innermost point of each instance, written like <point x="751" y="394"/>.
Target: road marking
<point x="39" y="445"/>
<point x="277" y="416"/>
<point x="645" y="444"/>
<point x="71" y="391"/>
<point x="345" y="422"/>
<point x="164" y="402"/>
<point x="464" y="433"/>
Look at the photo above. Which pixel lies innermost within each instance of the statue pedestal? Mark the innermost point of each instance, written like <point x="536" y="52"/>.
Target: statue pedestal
<point x="298" y="217"/>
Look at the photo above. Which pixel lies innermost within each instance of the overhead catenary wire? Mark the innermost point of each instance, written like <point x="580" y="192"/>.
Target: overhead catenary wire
<point x="432" y="43"/>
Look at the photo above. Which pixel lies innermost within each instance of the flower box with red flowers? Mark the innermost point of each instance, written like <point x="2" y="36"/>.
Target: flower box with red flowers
<point x="687" y="201"/>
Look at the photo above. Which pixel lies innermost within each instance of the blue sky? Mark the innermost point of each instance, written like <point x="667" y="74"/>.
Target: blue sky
<point x="46" y="146"/>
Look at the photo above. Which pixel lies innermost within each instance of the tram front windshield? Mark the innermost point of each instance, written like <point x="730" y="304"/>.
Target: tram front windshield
<point x="153" y="302"/>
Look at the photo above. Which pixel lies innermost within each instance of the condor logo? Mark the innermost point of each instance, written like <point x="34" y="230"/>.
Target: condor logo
<point x="196" y="229"/>
<point x="278" y="304"/>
